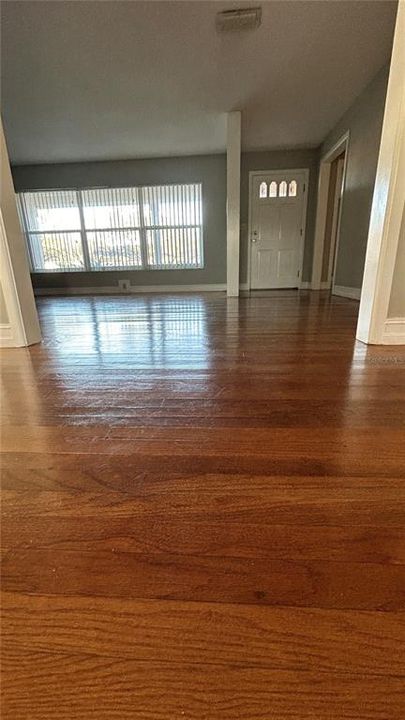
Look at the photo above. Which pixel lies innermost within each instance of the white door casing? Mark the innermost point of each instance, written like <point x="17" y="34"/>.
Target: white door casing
<point x="335" y="230"/>
<point x="342" y="145"/>
<point x="278" y="201"/>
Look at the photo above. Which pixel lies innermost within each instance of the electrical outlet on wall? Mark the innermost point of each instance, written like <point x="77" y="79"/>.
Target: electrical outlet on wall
<point x="124" y="285"/>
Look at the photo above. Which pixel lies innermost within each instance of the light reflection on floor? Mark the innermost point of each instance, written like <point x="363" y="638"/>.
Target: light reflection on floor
<point x="151" y="359"/>
<point x="143" y="331"/>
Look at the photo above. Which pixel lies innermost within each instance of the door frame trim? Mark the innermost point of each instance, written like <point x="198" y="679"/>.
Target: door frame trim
<point x="335" y="229"/>
<point x="274" y="171"/>
<point x="341" y="145"/>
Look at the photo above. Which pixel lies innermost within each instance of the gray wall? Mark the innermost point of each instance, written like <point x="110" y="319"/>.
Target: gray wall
<point x="208" y="169"/>
<point x="279" y="160"/>
<point x="364" y="121"/>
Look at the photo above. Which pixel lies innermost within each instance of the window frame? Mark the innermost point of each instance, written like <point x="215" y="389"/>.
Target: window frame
<point x="142" y="229"/>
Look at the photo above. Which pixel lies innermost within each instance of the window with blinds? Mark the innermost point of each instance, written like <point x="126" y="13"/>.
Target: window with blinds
<point x="159" y="227"/>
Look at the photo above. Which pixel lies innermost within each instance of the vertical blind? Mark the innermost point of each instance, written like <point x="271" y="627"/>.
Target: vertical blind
<point x="157" y="227"/>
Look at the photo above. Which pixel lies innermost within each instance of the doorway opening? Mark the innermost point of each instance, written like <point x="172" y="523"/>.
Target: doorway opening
<point x="277" y="218"/>
<point x="332" y="176"/>
<point x="332" y="228"/>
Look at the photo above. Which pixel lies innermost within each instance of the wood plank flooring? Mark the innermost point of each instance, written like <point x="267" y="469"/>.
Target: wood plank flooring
<point x="203" y="506"/>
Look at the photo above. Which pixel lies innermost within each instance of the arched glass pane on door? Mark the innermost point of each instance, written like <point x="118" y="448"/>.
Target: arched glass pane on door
<point x="273" y="189"/>
<point x="282" y="191"/>
<point x="292" y="189"/>
<point x="263" y="190"/>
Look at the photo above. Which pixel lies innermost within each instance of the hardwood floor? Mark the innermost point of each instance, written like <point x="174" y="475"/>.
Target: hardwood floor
<point x="203" y="505"/>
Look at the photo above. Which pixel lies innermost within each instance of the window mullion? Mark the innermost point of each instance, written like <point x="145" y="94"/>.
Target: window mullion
<point x="38" y="250"/>
<point x="157" y="201"/>
<point x="142" y="230"/>
<point x="86" y="255"/>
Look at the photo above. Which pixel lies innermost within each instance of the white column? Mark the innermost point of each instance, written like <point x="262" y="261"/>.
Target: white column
<point x="388" y="200"/>
<point x="19" y="324"/>
<point x="233" y="156"/>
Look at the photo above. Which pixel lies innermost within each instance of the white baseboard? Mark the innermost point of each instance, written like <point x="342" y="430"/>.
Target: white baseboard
<point x="8" y="338"/>
<point x="353" y="293"/>
<point x="394" y="331"/>
<point x="347" y="292"/>
<point x="6" y="335"/>
<point x="307" y="285"/>
<point x="134" y="289"/>
<point x="324" y="285"/>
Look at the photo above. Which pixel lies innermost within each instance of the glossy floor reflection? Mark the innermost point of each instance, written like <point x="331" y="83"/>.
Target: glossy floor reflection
<point x="203" y="506"/>
<point x="143" y="332"/>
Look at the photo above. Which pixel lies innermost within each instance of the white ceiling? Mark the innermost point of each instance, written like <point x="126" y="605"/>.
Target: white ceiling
<point x="106" y="80"/>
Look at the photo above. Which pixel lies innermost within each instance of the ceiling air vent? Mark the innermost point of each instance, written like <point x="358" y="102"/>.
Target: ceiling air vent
<point x="237" y="20"/>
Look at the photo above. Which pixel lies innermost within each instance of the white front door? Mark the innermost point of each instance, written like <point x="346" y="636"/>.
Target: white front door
<point x="277" y="206"/>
